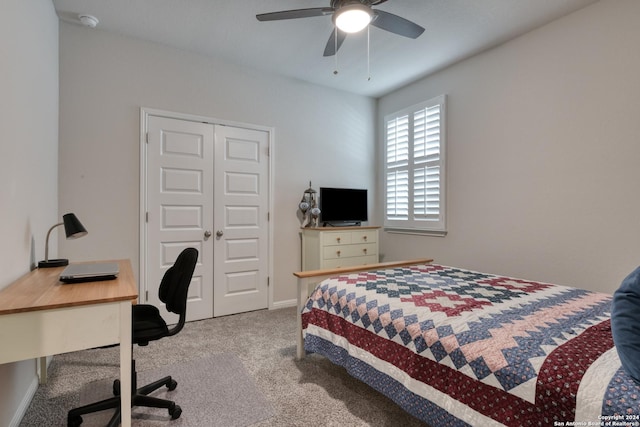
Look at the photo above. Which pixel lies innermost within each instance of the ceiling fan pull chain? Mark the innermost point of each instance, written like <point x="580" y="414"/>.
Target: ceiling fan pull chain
<point x="335" y="29"/>
<point x="368" y="53"/>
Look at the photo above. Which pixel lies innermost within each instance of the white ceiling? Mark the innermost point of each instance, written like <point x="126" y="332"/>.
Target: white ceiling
<point x="226" y="29"/>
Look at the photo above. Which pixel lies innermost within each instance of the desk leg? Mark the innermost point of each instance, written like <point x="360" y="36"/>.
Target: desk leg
<point x="125" y="363"/>
<point x="43" y="370"/>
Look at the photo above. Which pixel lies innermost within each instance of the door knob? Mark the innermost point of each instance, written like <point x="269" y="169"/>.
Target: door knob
<point x="207" y="234"/>
<point x="219" y="233"/>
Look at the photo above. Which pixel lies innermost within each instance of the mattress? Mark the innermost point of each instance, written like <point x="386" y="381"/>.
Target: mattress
<point x="455" y="347"/>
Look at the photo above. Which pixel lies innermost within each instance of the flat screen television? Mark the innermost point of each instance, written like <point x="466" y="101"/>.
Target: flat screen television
<point x="343" y="206"/>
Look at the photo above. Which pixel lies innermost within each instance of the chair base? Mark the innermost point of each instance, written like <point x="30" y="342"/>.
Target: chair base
<point x="138" y="398"/>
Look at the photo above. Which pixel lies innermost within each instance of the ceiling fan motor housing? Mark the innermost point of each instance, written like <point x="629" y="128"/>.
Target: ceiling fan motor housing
<point x="336" y="4"/>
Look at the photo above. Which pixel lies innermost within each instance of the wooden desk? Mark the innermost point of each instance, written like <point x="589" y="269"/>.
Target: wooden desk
<point x="41" y="316"/>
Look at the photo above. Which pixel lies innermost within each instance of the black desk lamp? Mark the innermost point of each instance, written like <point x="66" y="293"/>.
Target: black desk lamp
<point x="73" y="228"/>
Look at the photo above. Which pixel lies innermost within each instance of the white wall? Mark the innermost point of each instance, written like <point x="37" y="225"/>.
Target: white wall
<point x="543" y="172"/>
<point x="28" y="162"/>
<point x="321" y="135"/>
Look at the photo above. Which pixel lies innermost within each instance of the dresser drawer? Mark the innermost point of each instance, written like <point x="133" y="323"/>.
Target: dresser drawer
<point x="367" y="236"/>
<point x="348" y="251"/>
<point x="333" y="238"/>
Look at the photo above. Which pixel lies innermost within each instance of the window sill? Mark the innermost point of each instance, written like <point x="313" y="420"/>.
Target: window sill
<point x="416" y="231"/>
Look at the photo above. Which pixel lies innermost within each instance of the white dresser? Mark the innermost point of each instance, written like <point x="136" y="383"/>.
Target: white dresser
<point x="324" y="248"/>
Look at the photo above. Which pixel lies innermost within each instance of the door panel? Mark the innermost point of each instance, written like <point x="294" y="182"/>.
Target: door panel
<point x="241" y="220"/>
<point x="180" y="207"/>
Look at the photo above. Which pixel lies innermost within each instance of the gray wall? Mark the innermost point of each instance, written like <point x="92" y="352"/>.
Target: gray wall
<point x="543" y="176"/>
<point x="28" y="162"/>
<point x="321" y="135"/>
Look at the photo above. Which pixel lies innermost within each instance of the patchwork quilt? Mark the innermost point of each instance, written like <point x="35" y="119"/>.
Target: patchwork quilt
<point x="455" y="347"/>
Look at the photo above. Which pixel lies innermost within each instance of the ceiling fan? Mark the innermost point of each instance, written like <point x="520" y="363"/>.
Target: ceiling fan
<point x="350" y="16"/>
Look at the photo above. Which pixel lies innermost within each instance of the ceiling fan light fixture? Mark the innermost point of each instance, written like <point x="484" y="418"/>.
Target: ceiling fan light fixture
<point x="353" y="18"/>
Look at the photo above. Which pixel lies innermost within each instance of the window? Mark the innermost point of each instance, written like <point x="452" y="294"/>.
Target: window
<point x="414" y="168"/>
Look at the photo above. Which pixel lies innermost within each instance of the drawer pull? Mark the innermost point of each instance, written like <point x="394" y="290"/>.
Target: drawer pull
<point x="364" y="238"/>
<point x="338" y="253"/>
<point x="338" y="239"/>
<point x="364" y="250"/>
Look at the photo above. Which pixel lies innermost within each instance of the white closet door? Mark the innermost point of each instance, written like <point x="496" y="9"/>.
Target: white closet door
<point x="241" y="220"/>
<point x="179" y="191"/>
<point x="207" y="186"/>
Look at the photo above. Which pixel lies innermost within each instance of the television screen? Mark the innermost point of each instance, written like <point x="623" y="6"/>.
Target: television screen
<point x="343" y="205"/>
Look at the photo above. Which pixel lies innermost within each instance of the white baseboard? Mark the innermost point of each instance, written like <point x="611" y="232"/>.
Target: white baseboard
<point x="22" y="408"/>
<point x="24" y="403"/>
<point x="284" y="304"/>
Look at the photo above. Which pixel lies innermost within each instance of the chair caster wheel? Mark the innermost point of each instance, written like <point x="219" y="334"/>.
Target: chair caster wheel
<point x="175" y="412"/>
<point x="172" y="385"/>
<point x="74" y="421"/>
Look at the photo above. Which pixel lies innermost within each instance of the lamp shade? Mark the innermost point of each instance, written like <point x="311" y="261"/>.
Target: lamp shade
<point x="73" y="229"/>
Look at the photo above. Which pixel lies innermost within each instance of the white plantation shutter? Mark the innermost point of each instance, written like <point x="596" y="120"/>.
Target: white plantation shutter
<point x="397" y="174"/>
<point x="414" y="168"/>
<point x="398" y="195"/>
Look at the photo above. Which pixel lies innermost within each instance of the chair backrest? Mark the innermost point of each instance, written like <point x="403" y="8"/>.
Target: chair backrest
<point x="176" y="280"/>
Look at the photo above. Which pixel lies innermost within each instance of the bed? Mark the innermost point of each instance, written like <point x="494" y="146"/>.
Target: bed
<point x="455" y="347"/>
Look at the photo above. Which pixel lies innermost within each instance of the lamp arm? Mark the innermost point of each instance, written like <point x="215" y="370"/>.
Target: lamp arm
<point x="46" y="245"/>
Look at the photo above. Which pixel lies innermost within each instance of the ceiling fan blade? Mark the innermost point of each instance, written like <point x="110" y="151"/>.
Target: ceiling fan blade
<point x="330" y="49"/>
<point x="295" y="13"/>
<point x="395" y="24"/>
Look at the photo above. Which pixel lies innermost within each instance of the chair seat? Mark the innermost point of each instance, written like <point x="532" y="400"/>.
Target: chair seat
<point x="148" y="325"/>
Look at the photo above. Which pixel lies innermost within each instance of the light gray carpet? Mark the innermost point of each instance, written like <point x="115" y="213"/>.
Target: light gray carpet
<point x="302" y="393"/>
<point x="216" y="391"/>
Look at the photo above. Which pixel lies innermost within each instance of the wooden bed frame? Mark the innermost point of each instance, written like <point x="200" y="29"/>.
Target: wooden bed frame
<point x="306" y="279"/>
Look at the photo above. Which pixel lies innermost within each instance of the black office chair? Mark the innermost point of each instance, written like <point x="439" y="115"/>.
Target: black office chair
<point x="148" y="325"/>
